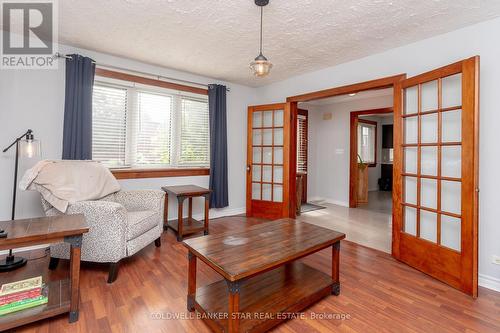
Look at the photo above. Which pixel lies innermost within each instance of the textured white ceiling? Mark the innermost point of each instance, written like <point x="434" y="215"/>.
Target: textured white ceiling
<point x="218" y="38"/>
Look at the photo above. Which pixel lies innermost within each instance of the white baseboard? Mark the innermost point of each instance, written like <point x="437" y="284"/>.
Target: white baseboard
<point x="216" y="213"/>
<point x="489" y="282"/>
<point x="330" y="201"/>
<point x="29" y="248"/>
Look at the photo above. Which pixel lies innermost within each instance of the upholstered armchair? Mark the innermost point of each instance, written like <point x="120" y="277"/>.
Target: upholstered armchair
<point x="121" y="224"/>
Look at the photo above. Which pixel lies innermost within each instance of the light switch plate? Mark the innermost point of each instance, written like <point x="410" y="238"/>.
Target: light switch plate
<point x="327" y="116"/>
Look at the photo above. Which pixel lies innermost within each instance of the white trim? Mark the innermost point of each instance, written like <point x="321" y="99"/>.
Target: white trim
<point x="489" y="282"/>
<point x="23" y="249"/>
<point x="330" y="201"/>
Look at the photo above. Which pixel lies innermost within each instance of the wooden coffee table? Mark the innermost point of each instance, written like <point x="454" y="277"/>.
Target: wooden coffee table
<point x="263" y="281"/>
<point x="64" y="295"/>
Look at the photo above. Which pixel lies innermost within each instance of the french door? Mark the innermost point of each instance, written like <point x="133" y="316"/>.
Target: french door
<point x="268" y="161"/>
<point x="435" y="213"/>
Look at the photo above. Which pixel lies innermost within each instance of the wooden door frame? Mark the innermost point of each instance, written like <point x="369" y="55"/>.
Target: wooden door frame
<point x="292" y="102"/>
<point x="353" y="150"/>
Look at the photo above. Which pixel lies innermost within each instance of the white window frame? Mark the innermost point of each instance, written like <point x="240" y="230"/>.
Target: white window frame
<point x="133" y="89"/>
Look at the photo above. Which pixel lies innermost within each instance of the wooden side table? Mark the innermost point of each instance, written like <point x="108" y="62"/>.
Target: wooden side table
<point x="186" y="226"/>
<point x="64" y="295"/>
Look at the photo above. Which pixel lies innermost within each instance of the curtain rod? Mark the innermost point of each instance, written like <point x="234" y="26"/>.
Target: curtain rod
<point x="60" y="55"/>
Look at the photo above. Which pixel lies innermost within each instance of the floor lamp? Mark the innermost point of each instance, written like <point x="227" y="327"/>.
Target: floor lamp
<point x="26" y="146"/>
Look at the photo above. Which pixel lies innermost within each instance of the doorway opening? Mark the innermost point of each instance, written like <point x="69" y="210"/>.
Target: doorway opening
<point x="329" y="171"/>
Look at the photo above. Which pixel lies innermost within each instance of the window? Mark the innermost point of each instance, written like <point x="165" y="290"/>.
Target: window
<point x="302" y="143"/>
<point x="367" y="141"/>
<point x="143" y="126"/>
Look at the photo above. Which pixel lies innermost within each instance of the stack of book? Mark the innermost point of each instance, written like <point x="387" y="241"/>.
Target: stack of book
<point x="22" y="295"/>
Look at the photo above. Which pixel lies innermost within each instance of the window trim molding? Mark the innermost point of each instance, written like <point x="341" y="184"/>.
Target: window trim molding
<point x="136" y="173"/>
<point x="147" y="81"/>
<point x="374" y="123"/>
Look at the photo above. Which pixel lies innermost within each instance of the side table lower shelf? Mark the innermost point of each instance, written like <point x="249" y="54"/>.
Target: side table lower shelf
<point x="189" y="226"/>
<point x="58" y="303"/>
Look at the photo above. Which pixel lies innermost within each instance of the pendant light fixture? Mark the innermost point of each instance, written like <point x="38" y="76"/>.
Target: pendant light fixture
<point x="261" y="66"/>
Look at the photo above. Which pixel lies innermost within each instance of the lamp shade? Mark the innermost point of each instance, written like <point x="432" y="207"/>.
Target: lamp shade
<point x="29" y="148"/>
<point x="261" y="66"/>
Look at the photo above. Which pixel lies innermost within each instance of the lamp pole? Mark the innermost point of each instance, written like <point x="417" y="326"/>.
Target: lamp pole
<point x="11" y="262"/>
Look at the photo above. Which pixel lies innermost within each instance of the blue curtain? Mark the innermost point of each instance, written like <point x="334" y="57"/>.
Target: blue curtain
<point x="77" y="132"/>
<point x="218" y="146"/>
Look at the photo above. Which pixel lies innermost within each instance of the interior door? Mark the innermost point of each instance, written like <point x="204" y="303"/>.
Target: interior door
<point x="435" y="213"/>
<point x="268" y="161"/>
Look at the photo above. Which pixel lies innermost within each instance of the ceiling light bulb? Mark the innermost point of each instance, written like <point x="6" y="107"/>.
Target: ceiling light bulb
<point x="261" y="66"/>
<point x="352" y="94"/>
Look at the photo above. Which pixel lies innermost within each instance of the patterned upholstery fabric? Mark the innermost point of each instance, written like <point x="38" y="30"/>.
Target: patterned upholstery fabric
<point x="120" y="224"/>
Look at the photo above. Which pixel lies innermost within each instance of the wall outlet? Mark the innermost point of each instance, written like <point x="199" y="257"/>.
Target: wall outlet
<point x="496" y="260"/>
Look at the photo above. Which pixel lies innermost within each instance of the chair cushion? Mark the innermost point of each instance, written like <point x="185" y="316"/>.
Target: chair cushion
<point x="140" y="222"/>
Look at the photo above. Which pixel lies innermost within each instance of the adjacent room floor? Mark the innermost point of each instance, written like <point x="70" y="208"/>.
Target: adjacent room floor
<point x="378" y="294"/>
<point x="367" y="227"/>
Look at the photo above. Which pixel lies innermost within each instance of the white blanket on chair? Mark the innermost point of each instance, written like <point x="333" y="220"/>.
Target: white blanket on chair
<point x="65" y="182"/>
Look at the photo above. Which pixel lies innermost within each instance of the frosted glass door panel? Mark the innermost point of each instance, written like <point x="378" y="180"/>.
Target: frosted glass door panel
<point x="451" y="197"/>
<point x="278" y="155"/>
<point x="428" y="193"/>
<point x="278" y="136"/>
<point x="268" y="155"/>
<point x="410" y="220"/>
<point x="411" y="160"/>
<point x="256" y="191"/>
<point x="450" y="232"/>
<point x="451" y="161"/>
<point x="257" y="137"/>
<point x="411" y="190"/>
<point x="256" y="157"/>
<point x="452" y="126"/>
<point x="278" y="118"/>
<point x="256" y="173"/>
<point x="266" y="192"/>
<point x="268" y="119"/>
<point x="428" y="225"/>
<point x="411" y="100"/>
<point x="257" y="119"/>
<point x="278" y="174"/>
<point x="277" y="193"/>
<point x="452" y="91"/>
<point x="430" y="96"/>
<point x="429" y="128"/>
<point x="268" y="137"/>
<point x="410" y="129"/>
<point x="267" y="173"/>
<point x="429" y="159"/>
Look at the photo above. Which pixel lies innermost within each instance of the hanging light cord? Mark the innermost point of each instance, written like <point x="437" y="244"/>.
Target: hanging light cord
<point x="261" y="10"/>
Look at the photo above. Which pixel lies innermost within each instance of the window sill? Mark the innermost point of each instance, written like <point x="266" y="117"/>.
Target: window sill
<point x="372" y="165"/>
<point x="159" y="172"/>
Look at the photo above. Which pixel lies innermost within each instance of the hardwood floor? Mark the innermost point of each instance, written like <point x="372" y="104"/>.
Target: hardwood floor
<point x="378" y="294"/>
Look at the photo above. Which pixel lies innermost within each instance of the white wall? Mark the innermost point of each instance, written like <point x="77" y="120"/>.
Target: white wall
<point x="480" y="39"/>
<point x="328" y="175"/>
<point x="35" y="99"/>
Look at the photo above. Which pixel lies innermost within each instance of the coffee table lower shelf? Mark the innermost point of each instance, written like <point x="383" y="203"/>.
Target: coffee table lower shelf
<point x="266" y="299"/>
<point x="58" y="303"/>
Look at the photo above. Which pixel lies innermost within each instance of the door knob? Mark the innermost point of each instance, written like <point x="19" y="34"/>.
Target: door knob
<point x="248" y="168"/>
